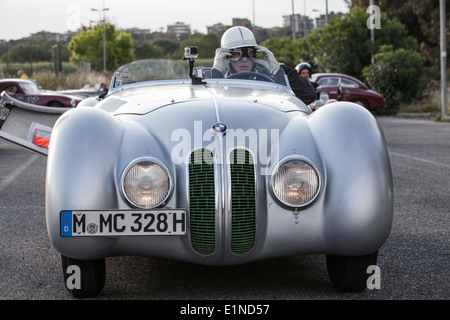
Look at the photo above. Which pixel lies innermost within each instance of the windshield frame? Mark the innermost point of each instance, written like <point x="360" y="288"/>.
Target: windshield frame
<point x="157" y="70"/>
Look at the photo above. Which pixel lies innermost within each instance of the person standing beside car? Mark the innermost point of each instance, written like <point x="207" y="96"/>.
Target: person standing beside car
<point x="237" y="50"/>
<point x="22" y="75"/>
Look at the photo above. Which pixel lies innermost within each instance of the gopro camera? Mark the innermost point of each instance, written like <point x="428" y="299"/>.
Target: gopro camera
<point x="191" y="53"/>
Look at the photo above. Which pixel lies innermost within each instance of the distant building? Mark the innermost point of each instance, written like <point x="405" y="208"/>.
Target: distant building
<point x="303" y="25"/>
<point x="218" y="27"/>
<point x="301" y="22"/>
<point x="180" y="30"/>
<point x="236" y="22"/>
<point x="140" y="34"/>
<point x="242" y="22"/>
<point x="43" y="36"/>
<point x="320" y="21"/>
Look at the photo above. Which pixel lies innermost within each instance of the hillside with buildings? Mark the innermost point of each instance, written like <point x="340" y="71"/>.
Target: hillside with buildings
<point x="303" y="25"/>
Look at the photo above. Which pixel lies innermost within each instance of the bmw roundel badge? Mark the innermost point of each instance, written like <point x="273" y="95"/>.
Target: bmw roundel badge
<point x="219" y="127"/>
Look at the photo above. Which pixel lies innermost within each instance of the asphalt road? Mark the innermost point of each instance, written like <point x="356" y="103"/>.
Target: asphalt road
<point x="414" y="262"/>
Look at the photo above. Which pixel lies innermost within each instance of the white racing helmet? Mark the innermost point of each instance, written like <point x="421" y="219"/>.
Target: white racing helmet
<point x="303" y="65"/>
<point x="238" y="37"/>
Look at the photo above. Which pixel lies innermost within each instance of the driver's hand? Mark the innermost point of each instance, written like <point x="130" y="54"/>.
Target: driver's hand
<point x="272" y="64"/>
<point x="220" y="62"/>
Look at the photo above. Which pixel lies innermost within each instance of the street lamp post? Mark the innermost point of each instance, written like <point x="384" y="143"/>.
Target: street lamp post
<point x="254" y="23"/>
<point x="293" y="22"/>
<point x="443" y="62"/>
<point x="304" y="18"/>
<point x="104" y="34"/>
<point x="372" y="39"/>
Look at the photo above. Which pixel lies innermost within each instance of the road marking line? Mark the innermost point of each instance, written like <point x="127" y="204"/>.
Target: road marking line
<point x="420" y="159"/>
<point x="10" y="178"/>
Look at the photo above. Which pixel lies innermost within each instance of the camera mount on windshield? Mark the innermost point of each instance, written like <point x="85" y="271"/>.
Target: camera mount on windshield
<point x="191" y="53"/>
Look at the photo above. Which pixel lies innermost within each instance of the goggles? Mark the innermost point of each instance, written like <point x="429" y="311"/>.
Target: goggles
<point x="237" y="54"/>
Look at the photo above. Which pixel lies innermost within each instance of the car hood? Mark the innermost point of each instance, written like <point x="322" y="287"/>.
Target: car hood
<point x="145" y="99"/>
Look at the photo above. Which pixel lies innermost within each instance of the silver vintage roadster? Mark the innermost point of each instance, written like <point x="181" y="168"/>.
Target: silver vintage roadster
<point x="174" y="163"/>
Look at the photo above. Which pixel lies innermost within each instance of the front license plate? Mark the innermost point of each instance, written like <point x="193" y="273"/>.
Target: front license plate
<point x="123" y="223"/>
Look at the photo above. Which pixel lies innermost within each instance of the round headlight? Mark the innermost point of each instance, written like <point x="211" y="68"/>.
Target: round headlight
<point x="296" y="183"/>
<point x="146" y="183"/>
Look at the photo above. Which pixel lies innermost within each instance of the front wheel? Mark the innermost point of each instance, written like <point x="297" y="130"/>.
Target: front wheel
<point x="83" y="278"/>
<point x="55" y="104"/>
<point x="349" y="273"/>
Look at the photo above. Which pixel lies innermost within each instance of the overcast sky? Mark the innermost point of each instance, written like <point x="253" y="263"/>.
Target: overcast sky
<point x="22" y="18"/>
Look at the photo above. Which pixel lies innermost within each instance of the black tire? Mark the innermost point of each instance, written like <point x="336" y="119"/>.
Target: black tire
<point x="362" y="102"/>
<point x="56" y="104"/>
<point x="349" y="274"/>
<point x="92" y="276"/>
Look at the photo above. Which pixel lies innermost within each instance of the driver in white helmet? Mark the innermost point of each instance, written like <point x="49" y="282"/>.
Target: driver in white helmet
<point x="239" y="47"/>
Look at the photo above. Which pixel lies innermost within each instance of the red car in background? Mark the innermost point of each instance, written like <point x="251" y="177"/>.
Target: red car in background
<point x="346" y="88"/>
<point x="28" y="91"/>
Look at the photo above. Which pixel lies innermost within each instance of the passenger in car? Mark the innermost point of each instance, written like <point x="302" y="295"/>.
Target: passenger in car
<point x="236" y="54"/>
<point x="304" y="69"/>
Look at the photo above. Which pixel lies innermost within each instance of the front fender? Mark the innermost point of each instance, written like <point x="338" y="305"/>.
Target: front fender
<point x="358" y="204"/>
<point x="80" y="168"/>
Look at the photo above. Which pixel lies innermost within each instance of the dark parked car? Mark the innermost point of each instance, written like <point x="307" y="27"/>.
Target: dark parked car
<point x="346" y="88"/>
<point x="28" y="91"/>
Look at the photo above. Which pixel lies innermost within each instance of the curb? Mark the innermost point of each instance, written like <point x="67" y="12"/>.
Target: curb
<point x="421" y="115"/>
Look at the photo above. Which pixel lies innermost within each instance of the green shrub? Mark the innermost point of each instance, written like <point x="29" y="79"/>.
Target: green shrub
<point x="10" y="70"/>
<point x="64" y="81"/>
<point x="399" y="75"/>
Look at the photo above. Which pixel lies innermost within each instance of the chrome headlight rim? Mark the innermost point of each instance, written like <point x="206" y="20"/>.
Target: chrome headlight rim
<point x="163" y="166"/>
<point x="275" y="171"/>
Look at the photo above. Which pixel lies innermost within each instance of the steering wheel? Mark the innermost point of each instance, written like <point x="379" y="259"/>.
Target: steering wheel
<point x="250" y="74"/>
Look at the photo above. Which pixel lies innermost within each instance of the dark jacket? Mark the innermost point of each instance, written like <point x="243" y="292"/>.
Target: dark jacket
<point x="302" y="88"/>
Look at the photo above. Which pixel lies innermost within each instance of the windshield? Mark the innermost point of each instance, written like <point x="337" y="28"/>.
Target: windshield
<point x="29" y="87"/>
<point x="147" y="70"/>
<point x="160" y="69"/>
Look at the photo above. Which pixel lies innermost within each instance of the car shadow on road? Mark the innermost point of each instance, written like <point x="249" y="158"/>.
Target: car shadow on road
<point x="299" y="277"/>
